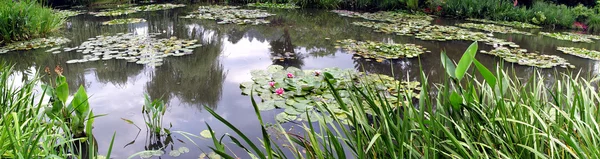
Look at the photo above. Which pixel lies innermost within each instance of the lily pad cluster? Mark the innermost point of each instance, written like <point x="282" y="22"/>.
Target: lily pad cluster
<point x="123" y="21"/>
<point x="513" y="24"/>
<point x="379" y="50"/>
<point x="124" y="11"/>
<point x="445" y="33"/>
<point x="389" y="16"/>
<point x="389" y="28"/>
<point x="568" y="37"/>
<point x="299" y="92"/>
<point x="34" y="44"/>
<point x="66" y="13"/>
<point x="274" y="5"/>
<point x="589" y="36"/>
<point x="522" y="57"/>
<point x="141" y="49"/>
<point x="492" y="28"/>
<point x="581" y="52"/>
<point x="231" y="15"/>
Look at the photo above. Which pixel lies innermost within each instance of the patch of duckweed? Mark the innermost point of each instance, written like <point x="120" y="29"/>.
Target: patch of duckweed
<point x="141" y="49"/>
<point x="67" y="13"/>
<point x="33" y="44"/>
<point x="568" y="37"/>
<point x="124" y="11"/>
<point x="513" y="24"/>
<point x="581" y="52"/>
<point x="274" y="5"/>
<point x="492" y="28"/>
<point x="231" y="15"/>
<point x="123" y="21"/>
<point x="299" y="92"/>
<point x="522" y="57"/>
<point x="379" y="50"/>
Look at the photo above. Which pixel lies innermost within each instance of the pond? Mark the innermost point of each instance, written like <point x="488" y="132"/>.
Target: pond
<point x="212" y="74"/>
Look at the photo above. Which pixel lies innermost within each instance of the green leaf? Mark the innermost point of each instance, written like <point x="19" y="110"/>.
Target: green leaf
<point x="465" y="61"/>
<point x="487" y="74"/>
<point x="266" y="105"/>
<point x="284" y="117"/>
<point x="456" y="100"/>
<point x="80" y="103"/>
<point x="62" y="92"/>
<point x="448" y="65"/>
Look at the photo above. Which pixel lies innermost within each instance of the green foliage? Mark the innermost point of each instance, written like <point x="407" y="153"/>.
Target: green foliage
<point x="153" y="113"/>
<point x="558" y="15"/>
<point x="505" y="118"/>
<point x="74" y="114"/>
<point x="30" y="129"/>
<point x="24" y="20"/>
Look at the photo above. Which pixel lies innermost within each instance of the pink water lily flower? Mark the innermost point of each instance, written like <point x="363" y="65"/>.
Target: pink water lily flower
<point x="290" y="75"/>
<point x="272" y="84"/>
<point x="317" y="73"/>
<point x="279" y="91"/>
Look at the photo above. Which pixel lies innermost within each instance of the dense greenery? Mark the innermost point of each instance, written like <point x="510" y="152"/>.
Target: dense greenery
<point x="24" y="20"/>
<point x="499" y="117"/>
<point x="35" y="126"/>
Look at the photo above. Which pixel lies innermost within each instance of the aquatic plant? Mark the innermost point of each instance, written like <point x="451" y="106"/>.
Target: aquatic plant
<point x="389" y="16"/>
<point x="33" y="44"/>
<point x="130" y="10"/>
<point x="153" y="113"/>
<point x="581" y="52"/>
<point x="66" y="13"/>
<point x="522" y="57"/>
<point x="25" y="20"/>
<point x="380" y="50"/>
<point x="390" y="28"/>
<point x="492" y="28"/>
<point x="466" y="117"/>
<point x="123" y="21"/>
<point x="141" y="49"/>
<point x="299" y="92"/>
<point x="514" y="24"/>
<point x="445" y="33"/>
<point x="25" y="130"/>
<point x="568" y="37"/>
<point x="274" y="5"/>
<point x="588" y="36"/>
<point x="230" y="15"/>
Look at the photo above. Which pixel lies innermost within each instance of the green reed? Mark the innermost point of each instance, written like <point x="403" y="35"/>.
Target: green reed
<point x="26" y="19"/>
<point x="27" y="127"/>
<point x="501" y="116"/>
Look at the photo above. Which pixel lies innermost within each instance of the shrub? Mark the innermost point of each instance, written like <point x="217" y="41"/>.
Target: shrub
<point x="26" y="19"/>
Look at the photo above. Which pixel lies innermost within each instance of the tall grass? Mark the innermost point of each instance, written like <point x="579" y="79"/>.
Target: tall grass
<point x="26" y="131"/>
<point x="500" y="116"/>
<point x="26" y="19"/>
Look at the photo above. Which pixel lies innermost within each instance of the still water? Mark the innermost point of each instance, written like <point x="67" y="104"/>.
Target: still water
<point x="211" y="75"/>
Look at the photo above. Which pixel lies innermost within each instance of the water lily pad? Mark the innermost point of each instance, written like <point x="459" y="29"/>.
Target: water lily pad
<point x="568" y="37"/>
<point x="206" y="134"/>
<point x="124" y="11"/>
<point x="33" y="44"/>
<point x="123" y="21"/>
<point x="493" y="28"/>
<point x="66" y="13"/>
<point x="174" y="153"/>
<point x="140" y="49"/>
<point x="230" y="15"/>
<point x="514" y="24"/>
<point x="581" y="52"/>
<point x="369" y="49"/>
<point x="183" y="150"/>
<point x="300" y="91"/>
<point x="529" y="59"/>
<point x="274" y="5"/>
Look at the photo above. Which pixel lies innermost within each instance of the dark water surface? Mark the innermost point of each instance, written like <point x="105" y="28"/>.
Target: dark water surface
<point x="211" y="75"/>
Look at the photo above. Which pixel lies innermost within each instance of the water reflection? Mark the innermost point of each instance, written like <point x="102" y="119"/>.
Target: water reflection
<point x="211" y="75"/>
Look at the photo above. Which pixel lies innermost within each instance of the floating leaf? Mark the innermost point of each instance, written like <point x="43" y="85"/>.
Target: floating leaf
<point x="175" y="153"/>
<point x="206" y="134"/>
